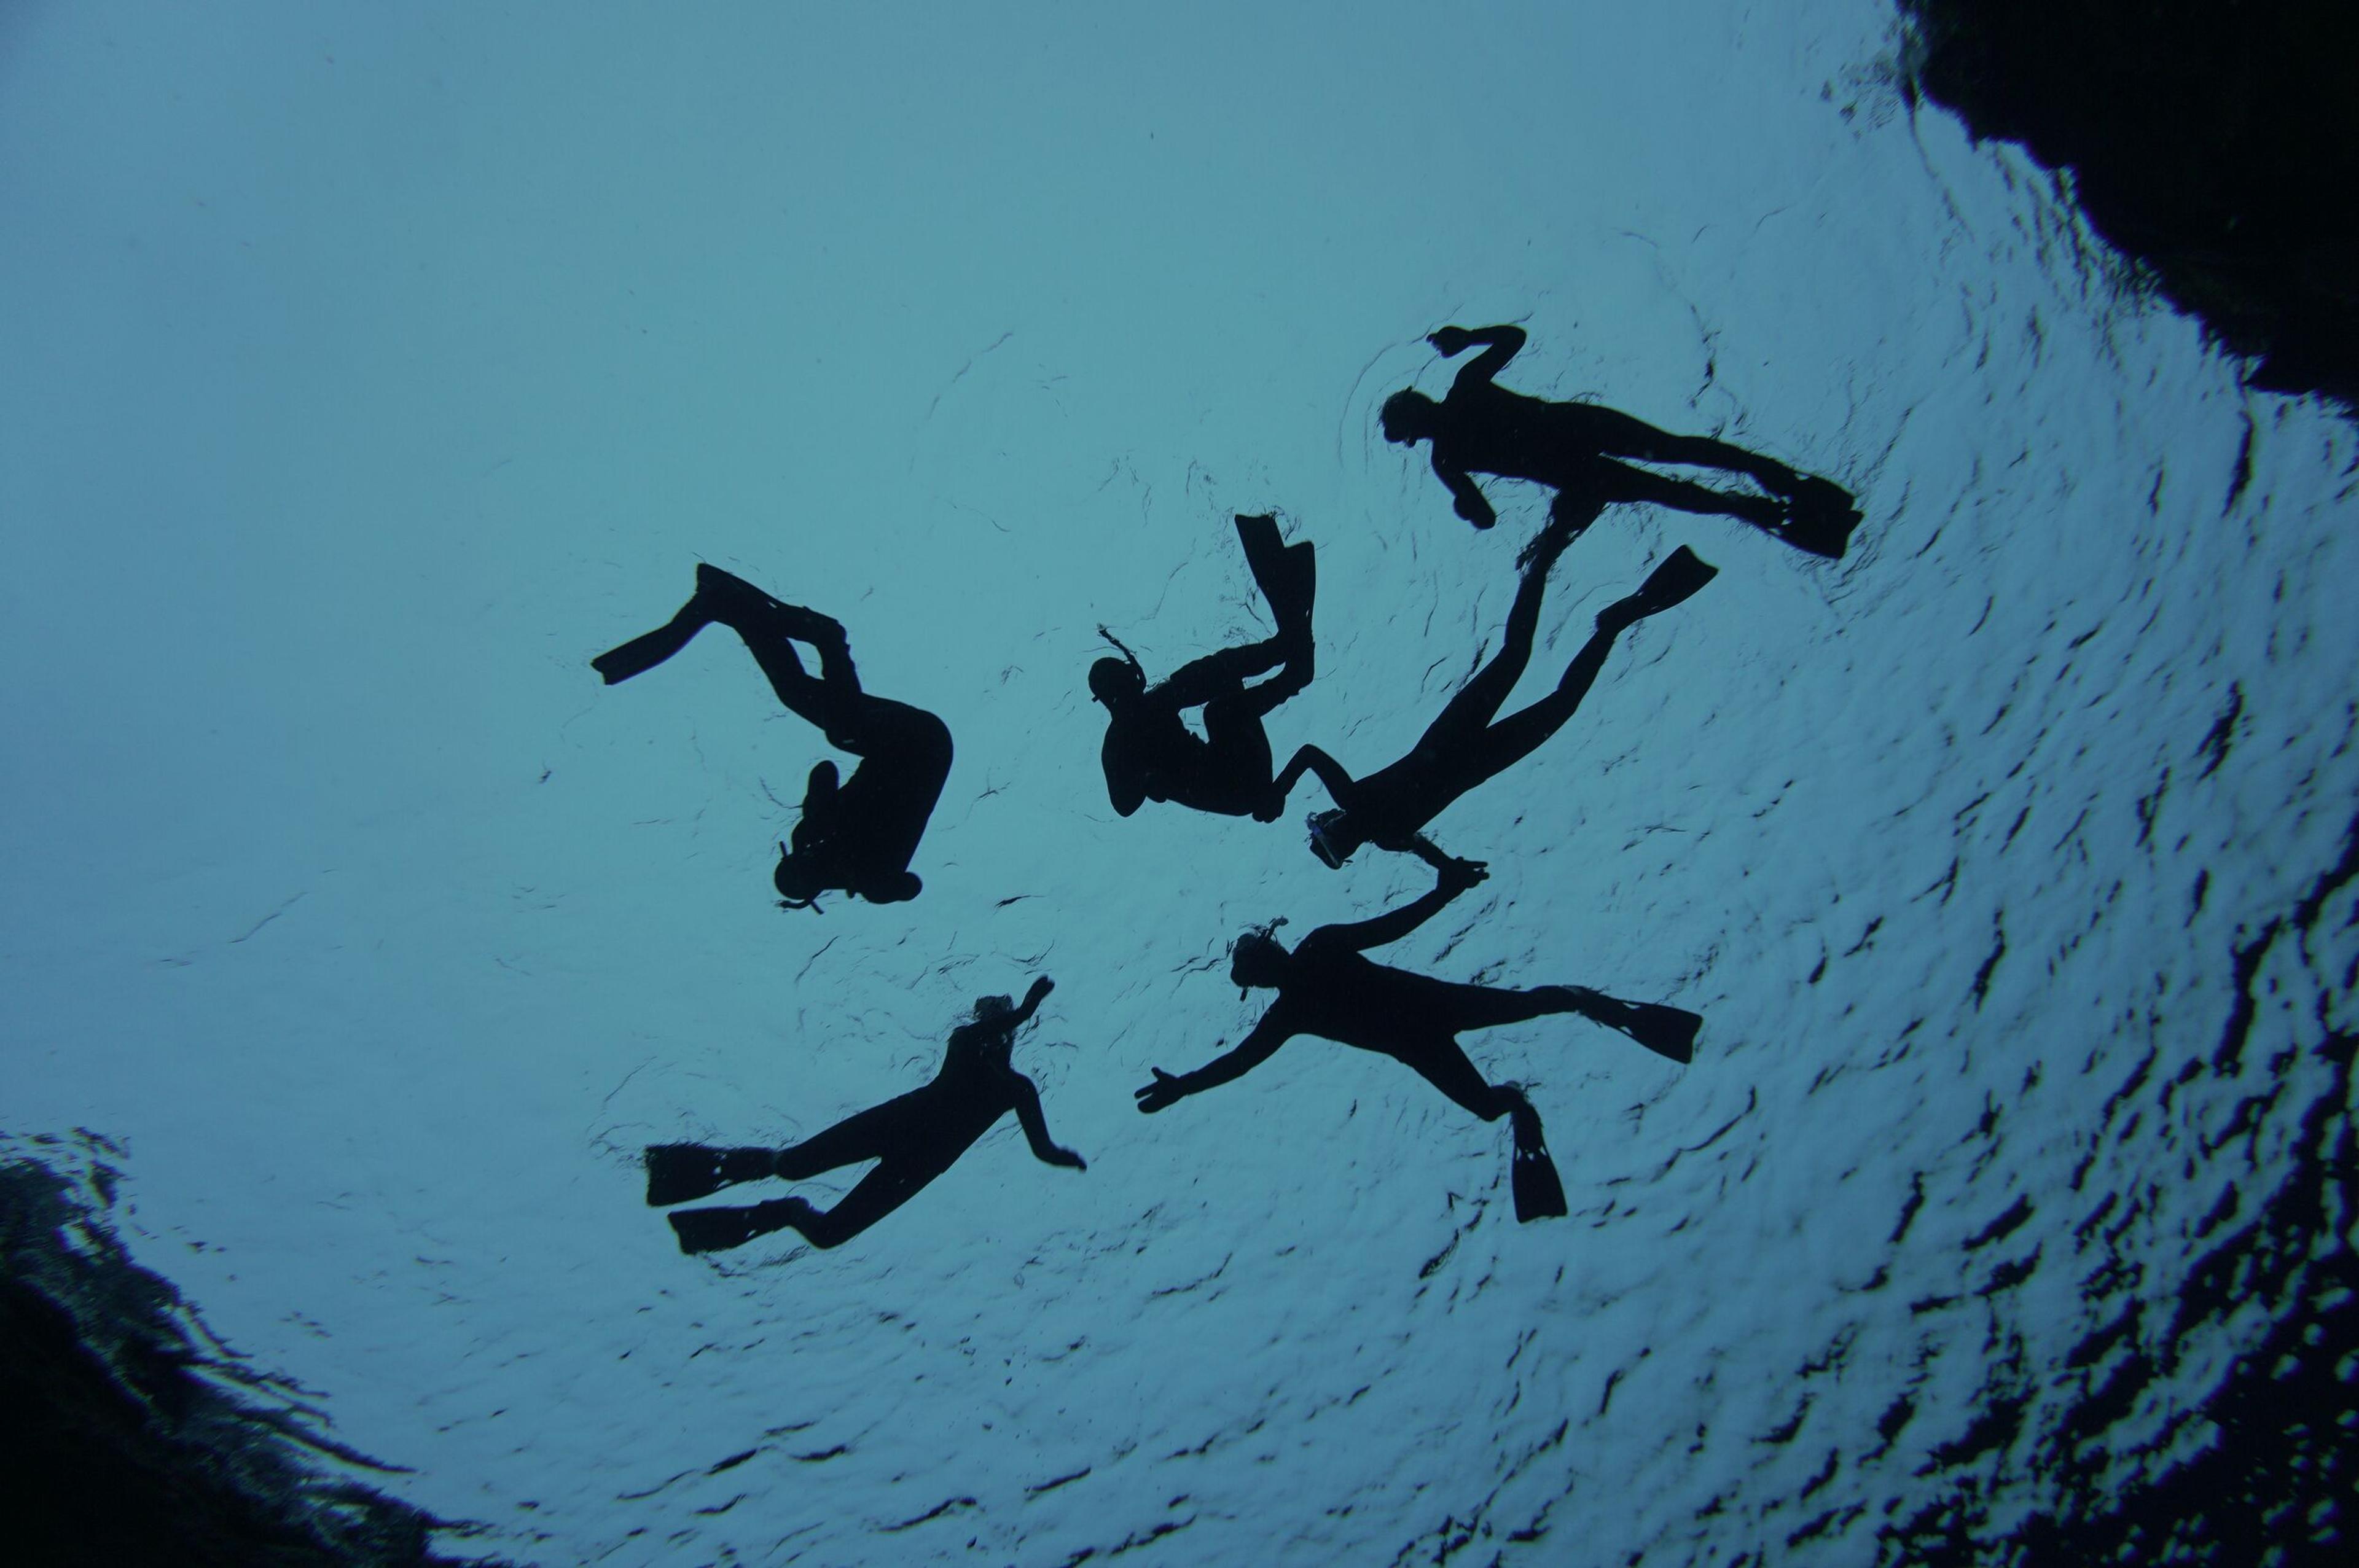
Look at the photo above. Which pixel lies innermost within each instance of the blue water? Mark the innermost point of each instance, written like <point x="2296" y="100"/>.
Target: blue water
<point x="366" y="371"/>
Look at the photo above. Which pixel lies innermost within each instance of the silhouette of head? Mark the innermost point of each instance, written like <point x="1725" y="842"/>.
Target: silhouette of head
<point x="1113" y="680"/>
<point x="1408" y="415"/>
<point x="1257" y="958"/>
<point x="1333" y="838"/>
<point x="987" y="1008"/>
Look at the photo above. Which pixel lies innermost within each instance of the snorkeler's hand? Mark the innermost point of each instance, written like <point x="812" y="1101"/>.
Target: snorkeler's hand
<point x="1271" y="807"/>
<point x="1451" y="340"/>
<point x="1458" y="875"/>
<point x="1472" y="508"/>
<point x="1165" y="1090"/>
<point x="1041" y="987"/>
<point x="1067" y="1157"/>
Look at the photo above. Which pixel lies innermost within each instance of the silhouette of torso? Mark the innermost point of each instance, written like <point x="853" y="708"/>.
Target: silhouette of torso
<point x="1150" y="747"/>
<point x="973" y="1087"/>
<point x="1495" y="431"/>
<point x="873" y="821"/>
<point x="1338" y="993"/>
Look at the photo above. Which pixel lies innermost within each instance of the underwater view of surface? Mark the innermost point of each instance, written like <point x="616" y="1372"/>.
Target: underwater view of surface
<point x="369" y="371"/>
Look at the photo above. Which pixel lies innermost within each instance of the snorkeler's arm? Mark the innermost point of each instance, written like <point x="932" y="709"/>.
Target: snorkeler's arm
<point x="819" y="796"/>
<point x="1122" y="789"/>
<point x="1466" y="497"/>
<point x="1339" y="784"/>
<point x="1249" y="1053"/>
<point x="1036" y="1128"/>
<point x="1031" y="1002"/>
<point x="1450" y="879"/>
<point x="1500" y="344"/>
<point x="1445" y="865"/>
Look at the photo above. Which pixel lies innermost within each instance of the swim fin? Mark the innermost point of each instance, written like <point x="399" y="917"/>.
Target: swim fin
<point x="679" y="1172"/>
<point x="719" y="1229"/>
<point x="1676" y="580"/>
<point x="1287" y="574"/>
<point x="1540" y="1191"/>
<point x="642" y="654"/>
<point x="1667" y="1031"/>
<point x="1820" y="515"/>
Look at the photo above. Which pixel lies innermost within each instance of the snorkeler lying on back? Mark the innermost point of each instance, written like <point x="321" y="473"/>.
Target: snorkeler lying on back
<point x="1468" y="743"/>
<point x="1328" y="987"/>
<point x="1482" y="427"/>
<point x="856" y="834"/>
<point x="913" y="1138"/>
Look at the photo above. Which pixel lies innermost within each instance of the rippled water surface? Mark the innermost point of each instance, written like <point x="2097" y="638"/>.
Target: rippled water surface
<point x="389" y="365"/>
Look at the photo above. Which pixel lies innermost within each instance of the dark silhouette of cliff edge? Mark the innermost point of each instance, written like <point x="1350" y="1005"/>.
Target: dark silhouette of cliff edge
<point x="131" y="1437"/>
<point x="2215" y="143"/>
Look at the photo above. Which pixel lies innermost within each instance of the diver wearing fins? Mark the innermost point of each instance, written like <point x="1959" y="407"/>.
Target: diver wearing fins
<point x="914" y="1138"/>
<point x="1480" y="426"/>
<point x="1326" y="987"/>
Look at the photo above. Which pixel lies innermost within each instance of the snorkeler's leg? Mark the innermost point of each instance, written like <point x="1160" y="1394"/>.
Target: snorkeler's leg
<point x="1517" y="736"/>
<point x="1237" y="757"/>
<point x="1440" y="1061"/>
<point x="1538" y="1193"/>
<point x="1465" y="716"/>
<point x="1612" y="433"/>
<point x="870" y="1134"/>
<point x="874" y="1196"/>
<point x="1571" y="512"/>
<point x="833" y="699"/>
<point x="1637" y="486"/>
<point x="1339" y="784"/>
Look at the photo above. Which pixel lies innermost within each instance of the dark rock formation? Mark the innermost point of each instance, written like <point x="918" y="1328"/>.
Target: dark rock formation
<point x="130" y="1438"/>
<point x="2216" y="142"/>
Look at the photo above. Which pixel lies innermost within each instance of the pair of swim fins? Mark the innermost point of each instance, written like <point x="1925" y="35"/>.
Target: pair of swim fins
<point x="717" y="591"/>
<point x="679" y="1171"/>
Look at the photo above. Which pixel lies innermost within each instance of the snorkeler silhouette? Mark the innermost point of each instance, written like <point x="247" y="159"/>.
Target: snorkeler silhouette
<point x="1326" y="987"/>
<point x="1467" y="744"/>
<point x="914" y="1138"/>
<point x="1482" y="427"/>
<point x="1149" y="751"/>
<point x="858" y="834"/>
